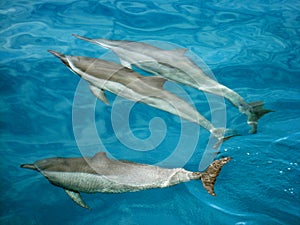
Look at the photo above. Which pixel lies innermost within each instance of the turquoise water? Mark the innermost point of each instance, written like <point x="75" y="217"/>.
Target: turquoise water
<point x="46" y="110"/>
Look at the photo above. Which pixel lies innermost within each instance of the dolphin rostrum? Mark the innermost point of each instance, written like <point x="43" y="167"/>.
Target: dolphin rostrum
<point x="175" y="66"/>
<point x="104" y="75"/>
<point x="101" y="174"/>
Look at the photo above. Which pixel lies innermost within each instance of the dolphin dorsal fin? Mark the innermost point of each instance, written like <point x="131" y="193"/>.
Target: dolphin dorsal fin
<point x="154" y="81"/>
<point x="75" y="196"/>
<point x="179" y="51"/>
<point x="100" y="155"/>
<point x="99" y="161"/>
<point x="100" y="158"/>
<point x="99" y="93"/>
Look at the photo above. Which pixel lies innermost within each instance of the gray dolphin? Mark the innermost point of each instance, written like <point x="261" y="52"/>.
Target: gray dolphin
<point x="175" y="66"/>
<point x="101" y="174"/>
<point x="104" y="75"/>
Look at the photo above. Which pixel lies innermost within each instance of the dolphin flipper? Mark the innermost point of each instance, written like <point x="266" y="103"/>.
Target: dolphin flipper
<point x="99" y="93"/>
<point x="125" y="63"/>
<point x="75" y="196"/>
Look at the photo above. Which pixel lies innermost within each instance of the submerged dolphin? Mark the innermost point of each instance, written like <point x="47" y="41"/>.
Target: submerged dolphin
<point x="101" y="174"/>
<point x="103" y="75"/>
<point x="175" y="66"/>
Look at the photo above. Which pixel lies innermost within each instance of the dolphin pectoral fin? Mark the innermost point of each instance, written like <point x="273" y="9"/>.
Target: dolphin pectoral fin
<point x="154" y="81"/>
<point x="99" y="93"/>
<point x="255" y="113"/>
<point x="125" y="63"/>
<point x="75" y="196"/>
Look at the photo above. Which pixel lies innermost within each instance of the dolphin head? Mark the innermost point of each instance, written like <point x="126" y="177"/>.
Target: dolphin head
<point x="79" y="64"/>
<point x="64" y="58"/>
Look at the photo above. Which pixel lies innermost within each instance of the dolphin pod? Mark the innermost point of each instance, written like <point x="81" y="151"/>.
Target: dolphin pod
<point x="104" y="75"/>
<point x="101" y="174"/>
<point x="175" y="66"/>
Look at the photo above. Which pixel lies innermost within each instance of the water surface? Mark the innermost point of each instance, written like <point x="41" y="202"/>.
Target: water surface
<point x="249" y="46"/>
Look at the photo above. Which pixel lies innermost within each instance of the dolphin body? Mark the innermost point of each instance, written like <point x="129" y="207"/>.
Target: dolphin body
<point x="104" y="75"/>
<point x="101" y="174"/>
<point x="175" y="66"/>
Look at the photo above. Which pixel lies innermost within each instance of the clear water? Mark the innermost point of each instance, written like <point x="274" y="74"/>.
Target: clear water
<point x="250" y="46"/>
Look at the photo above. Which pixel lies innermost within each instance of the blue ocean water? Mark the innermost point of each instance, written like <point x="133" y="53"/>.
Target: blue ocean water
<point x="253" y="47"/>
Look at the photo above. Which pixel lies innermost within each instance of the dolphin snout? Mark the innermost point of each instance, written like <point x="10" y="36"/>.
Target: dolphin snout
<point x="61" y="56"/>
<point x="82" y="38"/>
<point x="57" y="54"/>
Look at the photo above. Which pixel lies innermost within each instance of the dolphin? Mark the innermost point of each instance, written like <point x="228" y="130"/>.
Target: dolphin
<point x="104" y="75"/>
<point x="175" y="66"/>
<point x="101" y="174"/>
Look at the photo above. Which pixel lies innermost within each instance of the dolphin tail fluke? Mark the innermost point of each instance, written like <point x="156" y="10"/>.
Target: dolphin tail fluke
<point x="209" y="177"/>
<point x="223" y="134"/>
<point x="29" y="166"/>
<point x="255" y="113"/>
